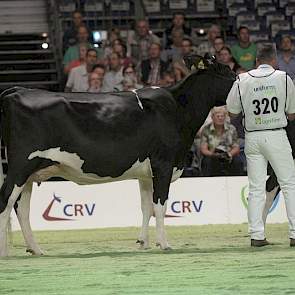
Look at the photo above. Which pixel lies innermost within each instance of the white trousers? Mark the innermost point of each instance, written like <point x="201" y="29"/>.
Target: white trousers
<point x="262" y="147"/>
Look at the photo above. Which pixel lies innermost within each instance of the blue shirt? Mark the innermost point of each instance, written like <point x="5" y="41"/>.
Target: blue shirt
<point x="289" y="67"/>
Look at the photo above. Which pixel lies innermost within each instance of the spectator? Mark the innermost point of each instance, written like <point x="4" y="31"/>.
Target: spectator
<point x="78" y="78"/>
<point x="130" y="80"/>
<point x="121" y="49"/>
<point x="139" y="43"/>
<point x="245" y="51"/>
<point x="186" y="47"/>
<point x="168" y="79"/>
<point x="178" y="24"/>
<point x="113" y="35"/>
<point x="99" y="70"/>
<point x="95" y="83"/>
<point x="225" y="57"/>
<point x="208" y="45"/>
<point x="180" y="70"/>
<point x="286" y="57"/>
<point x="83" y="47"/>
<point x="173" y="53"/>
<point x="113" y="78"/>
<point x="218" y="45"/>
<point x="73" y="53"/>
<point x="153" y="67"/>
<point x="70" y="35"/>
<point x="220" y="146"/>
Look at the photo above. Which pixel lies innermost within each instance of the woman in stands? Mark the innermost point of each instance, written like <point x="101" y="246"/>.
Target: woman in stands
<point x="225" y="57"/>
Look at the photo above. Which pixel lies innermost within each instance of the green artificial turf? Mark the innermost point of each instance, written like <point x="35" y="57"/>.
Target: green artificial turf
<point x="213" y="259"/>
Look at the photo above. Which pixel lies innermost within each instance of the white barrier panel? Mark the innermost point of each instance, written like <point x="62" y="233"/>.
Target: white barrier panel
<point x="65" y="205"/>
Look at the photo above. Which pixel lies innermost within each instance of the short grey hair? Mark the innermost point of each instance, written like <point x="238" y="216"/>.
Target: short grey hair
<point x="266" y="52"/>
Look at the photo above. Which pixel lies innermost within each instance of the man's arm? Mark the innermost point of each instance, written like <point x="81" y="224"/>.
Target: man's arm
<point x="233" y="102"/>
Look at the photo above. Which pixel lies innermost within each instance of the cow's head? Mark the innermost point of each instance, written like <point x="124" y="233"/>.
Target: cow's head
<point x="219" y="76"/>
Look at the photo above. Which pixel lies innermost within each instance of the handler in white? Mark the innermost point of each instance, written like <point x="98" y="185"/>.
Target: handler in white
<point x="266" y="97"/>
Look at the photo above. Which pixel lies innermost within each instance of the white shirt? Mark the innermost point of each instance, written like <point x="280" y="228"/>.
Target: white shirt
<point x="113" y="80"/>
<point x="78" y="79"/>
<point x="264" y="95"/>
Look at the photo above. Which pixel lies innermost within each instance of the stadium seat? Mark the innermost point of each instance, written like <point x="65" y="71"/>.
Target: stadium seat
<point x="277" y="26"/>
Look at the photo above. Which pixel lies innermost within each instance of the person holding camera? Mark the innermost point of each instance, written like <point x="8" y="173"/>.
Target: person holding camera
<point x="219" y="146"/>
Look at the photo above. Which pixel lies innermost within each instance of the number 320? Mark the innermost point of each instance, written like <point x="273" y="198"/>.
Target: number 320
<point x="266" y="104"/>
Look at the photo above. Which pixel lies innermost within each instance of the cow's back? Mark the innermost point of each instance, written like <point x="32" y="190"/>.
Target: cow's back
<point x="109" y="131"/>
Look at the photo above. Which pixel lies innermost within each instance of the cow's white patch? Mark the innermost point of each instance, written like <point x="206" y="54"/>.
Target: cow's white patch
<point x="155" y="87"/>
<point x="70" y="168"/>
<point x="138" y="99"/>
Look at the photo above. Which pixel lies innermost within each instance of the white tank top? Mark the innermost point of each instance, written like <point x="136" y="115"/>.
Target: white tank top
<point x="263" y="99"/>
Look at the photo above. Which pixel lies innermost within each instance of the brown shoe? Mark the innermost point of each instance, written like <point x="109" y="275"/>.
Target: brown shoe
<point x="292" y="242"/>
<point x="261" y="243"/>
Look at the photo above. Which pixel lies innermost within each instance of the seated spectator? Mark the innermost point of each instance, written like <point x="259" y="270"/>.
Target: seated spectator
<point x="226" y="58"/>
<point x="83" y="47"/>
<point x="168" y="79"/>
<point x="180" y="70"/>
<point x="186" y="47"/>
<point x="178" y="24"/>
<point x="130" y="78"/>
<point x="99" y="70"/>
<point x="114" y="76"/>
<point x="174" y="51"/>
<point x="78" y="77"/>
<point x="121" y="49"/>
<point x="220" y="146"/>
<point x="153" y="68"/>
<point x="139" y="43"/>
<point x="218" y="45"/>
<point x="113" y="35"/>
<point x="95" y="83"/>
<point x="208" y="45"/>
<point x="286" y="57"/>
<point x="70" y="35"/>
<point x="73" y="52"/>
<point x="245" y="51"/>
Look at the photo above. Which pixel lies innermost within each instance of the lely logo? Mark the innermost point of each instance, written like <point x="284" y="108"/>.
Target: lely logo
<point x="66" y="210"/>
<point x="244" y="197"/>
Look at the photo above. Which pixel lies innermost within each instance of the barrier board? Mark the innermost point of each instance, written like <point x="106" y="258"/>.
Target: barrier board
<point x="192" y="201"/>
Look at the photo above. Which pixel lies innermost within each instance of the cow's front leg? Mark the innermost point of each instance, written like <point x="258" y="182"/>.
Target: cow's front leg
<point x="146" y="193"/>
<point x="161" y="180"/>
<point x="22" y="209"/>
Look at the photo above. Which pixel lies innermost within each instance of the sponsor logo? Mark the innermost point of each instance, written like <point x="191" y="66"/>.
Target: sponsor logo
<point x="184" y="207"/>
<point x="244" y="197"/>
<point x="66" y="210"/>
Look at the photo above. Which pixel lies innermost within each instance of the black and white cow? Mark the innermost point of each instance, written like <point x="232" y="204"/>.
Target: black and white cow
<point x="272" y="185"/>
<point x="95" y="138"/>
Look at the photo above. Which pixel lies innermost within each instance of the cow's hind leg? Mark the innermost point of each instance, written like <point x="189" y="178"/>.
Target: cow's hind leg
<point x="22" y="209"/>
<point x="8" y="196"/>
<point x="162" y="173"/>
<point x="146" y="193"/>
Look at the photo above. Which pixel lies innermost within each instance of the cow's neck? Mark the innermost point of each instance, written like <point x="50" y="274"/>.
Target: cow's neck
<point x="194" y="102"/>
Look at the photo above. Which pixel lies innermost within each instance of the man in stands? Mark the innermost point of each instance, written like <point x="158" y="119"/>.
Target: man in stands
<point x="139" y="43"/>
<point x="78" y="80"/>
<point x="244" y="52"/>
<point x="153" y="67"/>
<point x="70" y="36"/>
<point x="286" y="57"/>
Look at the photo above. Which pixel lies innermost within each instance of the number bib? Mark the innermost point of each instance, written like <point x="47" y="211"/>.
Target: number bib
<point x="263" y="101"/>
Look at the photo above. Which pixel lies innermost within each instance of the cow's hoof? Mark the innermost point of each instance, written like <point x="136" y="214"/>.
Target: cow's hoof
<point x="35" y="253"/>
<point x="142" y="245"/>
<point x="163" y="247"/>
